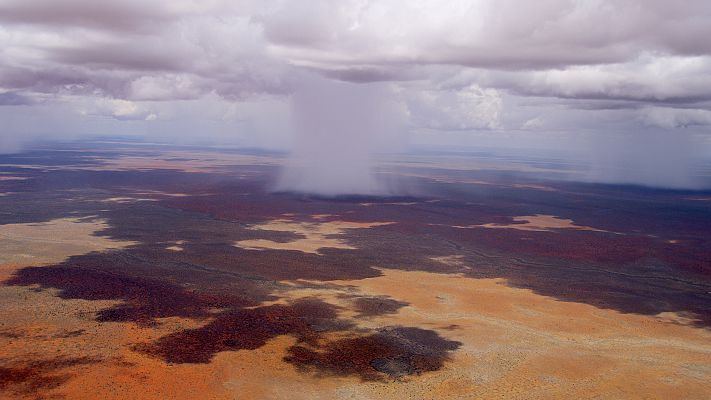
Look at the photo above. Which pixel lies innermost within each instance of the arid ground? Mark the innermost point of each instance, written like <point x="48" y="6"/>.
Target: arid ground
<point x="132" y="271"/>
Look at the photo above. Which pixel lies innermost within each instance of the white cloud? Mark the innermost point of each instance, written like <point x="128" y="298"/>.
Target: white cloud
<point x="115" y="108"/>
<point x="651" y="78"/>
<point x="533" y="123"/>
<point x="675" y="118"/>
<point x="467" y="108"/>
<point x="165" y="87"/>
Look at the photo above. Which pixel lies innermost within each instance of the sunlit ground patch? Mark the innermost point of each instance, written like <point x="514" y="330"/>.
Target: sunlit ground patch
<point x="125" y="199"/>
<point x="516" y="343"/>
<point x="401" y="203"/>
<point x="177" y="160"/>
<point x="178" y="246"/>
<point x="315" y="235"/>
<point x="538" y="223"/>
<point x="53" y="241"/>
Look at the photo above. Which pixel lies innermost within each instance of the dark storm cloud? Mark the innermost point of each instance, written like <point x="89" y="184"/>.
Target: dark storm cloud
<point x="123" y="56"/>
<point x="366" y="74"/>
<point x="125" y="16"/>
<point x="39" y="80"/>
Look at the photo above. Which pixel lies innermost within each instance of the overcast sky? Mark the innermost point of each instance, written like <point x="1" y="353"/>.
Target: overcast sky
<point x="578" y="75"/>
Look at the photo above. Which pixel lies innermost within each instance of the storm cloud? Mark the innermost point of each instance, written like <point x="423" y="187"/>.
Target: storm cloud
<point x="628" y="68"/>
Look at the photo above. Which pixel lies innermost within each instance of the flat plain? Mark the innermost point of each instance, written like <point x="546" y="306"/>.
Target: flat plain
<point x="150" y="272"/>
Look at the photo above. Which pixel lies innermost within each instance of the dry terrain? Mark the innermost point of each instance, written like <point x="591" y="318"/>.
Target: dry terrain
<point x="128" y="274"/>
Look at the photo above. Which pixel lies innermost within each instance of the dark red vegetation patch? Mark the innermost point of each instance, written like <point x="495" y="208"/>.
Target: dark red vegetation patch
<point x="247" y="329"/>
<point x="391" y="352"/>
<point x="370" y="306"/>
<point x="144" y="299"/>
<point x="34" y="376"/>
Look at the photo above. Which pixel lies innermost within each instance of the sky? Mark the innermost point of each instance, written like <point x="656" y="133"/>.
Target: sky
<point x="625" y="84"/>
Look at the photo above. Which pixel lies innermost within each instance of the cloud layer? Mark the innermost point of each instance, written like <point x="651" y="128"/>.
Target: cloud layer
<point x="553" y="66"/>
